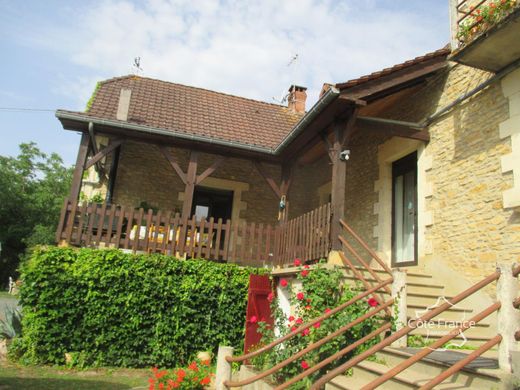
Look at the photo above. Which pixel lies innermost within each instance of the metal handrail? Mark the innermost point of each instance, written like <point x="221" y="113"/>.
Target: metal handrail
<point x="405" y="330"/>
<point x="426" y="351"/>
<point x="307" y="325"/>
<point x="462" y="363"/>
<point x="335" y="356"/>
<point x="310" y="347"/>
<point x="366" y="247"/>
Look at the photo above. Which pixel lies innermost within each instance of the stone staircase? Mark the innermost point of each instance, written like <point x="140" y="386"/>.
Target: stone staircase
<point x="424" y="292"/>
<point x="480" y="374"/>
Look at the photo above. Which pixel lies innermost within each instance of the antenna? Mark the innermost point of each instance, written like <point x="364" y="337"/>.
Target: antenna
<point x="285" y="95"/>
<point x="137" y="66"/>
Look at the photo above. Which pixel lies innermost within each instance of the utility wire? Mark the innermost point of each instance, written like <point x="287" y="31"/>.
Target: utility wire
<point x="22" y="109"/>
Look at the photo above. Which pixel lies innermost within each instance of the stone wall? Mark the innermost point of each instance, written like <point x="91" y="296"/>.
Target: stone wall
<point x="471" y="228"/>
<point x="144" y="174"/>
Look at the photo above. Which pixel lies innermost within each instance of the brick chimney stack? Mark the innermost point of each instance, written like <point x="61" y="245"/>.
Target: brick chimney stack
<point x="297" y="98"/>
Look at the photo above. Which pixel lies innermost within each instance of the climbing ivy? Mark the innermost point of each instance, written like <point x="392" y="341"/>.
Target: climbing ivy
<point x="117" y="309"/>
<point x="92" y="97"/>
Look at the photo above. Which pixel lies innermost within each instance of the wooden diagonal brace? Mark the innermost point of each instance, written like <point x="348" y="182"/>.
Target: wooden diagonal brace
<point x="102" y="153"/>
<point x="328" y="145"/>
<point x="210" y="170"/>
<point x="173" y="162"/>
<point x="276" y="189"/>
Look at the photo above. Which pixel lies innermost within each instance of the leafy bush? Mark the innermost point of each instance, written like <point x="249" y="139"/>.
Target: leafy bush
<point x="322" y="290"/>
<point x="118" y="309"/>
<point x="11" y="327"/>
<point x="484" y="16"/>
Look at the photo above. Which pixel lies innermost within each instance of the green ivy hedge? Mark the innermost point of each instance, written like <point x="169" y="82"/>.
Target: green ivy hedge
<point x="109" y="308"/>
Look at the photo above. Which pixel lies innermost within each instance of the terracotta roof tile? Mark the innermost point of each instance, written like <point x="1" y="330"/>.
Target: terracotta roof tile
<point x="373" y="76"/>
<point x="197" y="111"/>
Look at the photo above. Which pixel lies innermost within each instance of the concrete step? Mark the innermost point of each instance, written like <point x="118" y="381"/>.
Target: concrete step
<point x="411" y="378"/>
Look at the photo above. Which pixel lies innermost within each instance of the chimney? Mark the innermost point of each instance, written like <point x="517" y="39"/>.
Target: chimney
<point x="297" y="98"/>
<point x="124" y="104"/>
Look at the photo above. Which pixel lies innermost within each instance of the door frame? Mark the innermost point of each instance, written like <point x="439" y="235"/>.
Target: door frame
<point x="413" y="159"/>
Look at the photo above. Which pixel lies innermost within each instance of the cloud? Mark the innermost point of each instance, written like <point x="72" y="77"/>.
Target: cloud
<point x="243" y="47"/>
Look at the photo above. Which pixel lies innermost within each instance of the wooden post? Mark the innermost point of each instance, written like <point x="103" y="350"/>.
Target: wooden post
<point x="112" y="175"/>
<point x="191" y="179"/>
<point x="339" y="173"/>
<point x="79" y="168"/>
<point x="284" y="190"/>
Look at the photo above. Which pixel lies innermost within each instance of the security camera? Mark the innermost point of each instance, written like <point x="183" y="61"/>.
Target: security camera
<point x="344" y="155"/>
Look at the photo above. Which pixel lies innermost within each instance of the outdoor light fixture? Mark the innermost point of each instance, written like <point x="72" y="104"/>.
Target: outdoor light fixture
<point x="344" y="155"/>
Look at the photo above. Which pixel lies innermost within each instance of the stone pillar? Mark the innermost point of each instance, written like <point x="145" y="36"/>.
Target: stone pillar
<point x="508" y="317"/>
<point x="399" y="307"/>
<point x="223" y="367"/>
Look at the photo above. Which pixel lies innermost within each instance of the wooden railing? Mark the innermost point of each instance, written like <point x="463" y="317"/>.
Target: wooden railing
<point x="247" y="243"/>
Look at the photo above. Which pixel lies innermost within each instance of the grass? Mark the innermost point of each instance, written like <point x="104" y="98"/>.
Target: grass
<point x="14" y="377"/>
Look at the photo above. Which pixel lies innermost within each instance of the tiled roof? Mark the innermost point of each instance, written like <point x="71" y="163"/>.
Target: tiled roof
<point x="195" y="111"/>
<point x="376" y="75"/>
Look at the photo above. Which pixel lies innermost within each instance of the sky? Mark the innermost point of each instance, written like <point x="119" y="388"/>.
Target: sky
<point x="53" y="52"/>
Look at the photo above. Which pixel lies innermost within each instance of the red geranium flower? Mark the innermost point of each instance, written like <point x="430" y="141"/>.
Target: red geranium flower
<point x="317" y="325"/>
<point x="283" y="282"/>
<point x="304" y="273"/>
<point x="306" y="332"/>
<point x="304" y="364"/>
<point x="253" y="319"/>
<point x="297" y="262"/>
<point x="205" y="380"/>
<point x="181" y="373"/>
<point x="299" y="321"/>
<point x="291" y="318"/>
<point x="270" y="297"/>
<point x="372" y="302"/>
<point x="193" y="366"/>
<point x="161" y="386"/>
<point x="294" y="328"/>
<point x="300" y="296"/>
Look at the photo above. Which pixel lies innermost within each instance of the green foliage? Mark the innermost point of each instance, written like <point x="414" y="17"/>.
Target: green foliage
<point x="11" y="327"/>
<point x="33" y="186"/>
<point x="484" y="16"/>
<point x="92" y="97"/>
<point x="124" y="310"/>
<point x="322" y="290"/>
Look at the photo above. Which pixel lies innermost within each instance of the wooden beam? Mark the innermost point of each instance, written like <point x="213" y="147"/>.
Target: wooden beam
<point x="349" y="128"/>
<point x="173" y="162"/>
<point x="102" y="153"/>
<point x="357" y="102"/>
<point x="269" y="179"/>
<point x="287" y="175"/>
<point x="327" y="144"/>
<point x="339" y="174"/>
<point x="112" y="175"/>
<point x="79" y="168"/>
<point x="211" y="169"/>
<point x="393" y="129"/>
<point x="191" y="178"/>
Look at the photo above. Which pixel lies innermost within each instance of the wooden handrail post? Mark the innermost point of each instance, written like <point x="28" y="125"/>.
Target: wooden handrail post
<point x="508" y="319"/>
<point x="399" y="308"/>
<point x="223" y="373"/>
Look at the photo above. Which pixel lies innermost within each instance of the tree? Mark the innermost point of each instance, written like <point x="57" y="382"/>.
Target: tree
<point x="32" y="188"/>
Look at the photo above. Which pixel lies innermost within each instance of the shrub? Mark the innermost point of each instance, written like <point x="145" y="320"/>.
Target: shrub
<point x="118" y="309"/>
<point x="322" y="290"/>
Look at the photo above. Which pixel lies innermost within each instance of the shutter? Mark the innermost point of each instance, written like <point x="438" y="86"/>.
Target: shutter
<point x="258" y="306"/>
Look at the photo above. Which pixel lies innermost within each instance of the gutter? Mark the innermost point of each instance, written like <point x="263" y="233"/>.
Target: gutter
<point x="331" y="94"/>
<point x="316" y="109"/>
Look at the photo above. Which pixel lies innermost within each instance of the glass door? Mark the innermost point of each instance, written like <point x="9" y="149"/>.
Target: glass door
<point x="404" y="211"/>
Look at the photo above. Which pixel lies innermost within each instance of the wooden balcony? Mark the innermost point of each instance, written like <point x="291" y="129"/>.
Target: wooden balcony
<point x="485" y="33"/>
<point x="145" y="231"/>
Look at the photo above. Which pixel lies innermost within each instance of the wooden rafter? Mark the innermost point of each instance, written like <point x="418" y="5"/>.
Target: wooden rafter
<point x="102" y="153"/>
<point x="394" y="129"/>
